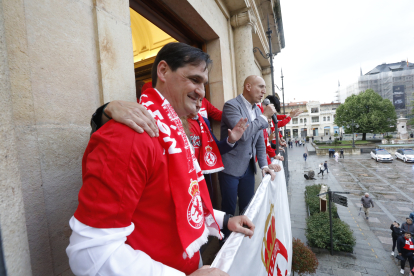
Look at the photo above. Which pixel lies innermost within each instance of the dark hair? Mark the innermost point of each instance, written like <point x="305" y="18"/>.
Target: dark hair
<point x="275" y="101"/>
<point x="176" y="55"/>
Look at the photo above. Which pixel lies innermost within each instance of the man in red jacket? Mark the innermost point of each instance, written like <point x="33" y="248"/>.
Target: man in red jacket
<point x="210" y="111"/>
<point x="143" y="206"/>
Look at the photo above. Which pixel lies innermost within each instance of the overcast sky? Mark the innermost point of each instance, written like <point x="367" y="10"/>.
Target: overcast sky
<point x="327" y="41"/>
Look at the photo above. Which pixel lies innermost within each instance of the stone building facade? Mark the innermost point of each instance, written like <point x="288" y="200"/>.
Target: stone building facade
<point x="60" y="60"/>
<point x="317" y="120"/>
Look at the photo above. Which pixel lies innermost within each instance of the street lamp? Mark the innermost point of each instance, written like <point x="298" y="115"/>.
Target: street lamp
<point x="270" y="56"/>
<point x="283" y="97"/>
<point x="352" y="124"/>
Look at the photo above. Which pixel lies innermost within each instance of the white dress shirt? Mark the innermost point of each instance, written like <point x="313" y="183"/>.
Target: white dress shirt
<point x="103" y="252"/>
<point x="250" y="108"/>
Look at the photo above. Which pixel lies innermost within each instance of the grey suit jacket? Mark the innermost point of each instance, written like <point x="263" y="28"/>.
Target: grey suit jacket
<point x="251" y="143"/>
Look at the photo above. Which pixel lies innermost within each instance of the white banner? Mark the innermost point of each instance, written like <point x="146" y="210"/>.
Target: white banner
<point x="269" y="251"/>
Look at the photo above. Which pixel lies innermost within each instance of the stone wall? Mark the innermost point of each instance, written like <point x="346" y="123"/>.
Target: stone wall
<point x="66" y="58"/>
<point x="12" y="213"/>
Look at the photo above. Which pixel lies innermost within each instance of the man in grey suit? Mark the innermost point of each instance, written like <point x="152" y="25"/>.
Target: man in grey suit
<point x="237" y="178"/>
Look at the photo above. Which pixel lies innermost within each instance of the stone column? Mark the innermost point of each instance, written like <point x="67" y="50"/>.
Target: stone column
<point x="266" y="72"/>
<point x="244" y="25"/>
<point x="12" y="214"/>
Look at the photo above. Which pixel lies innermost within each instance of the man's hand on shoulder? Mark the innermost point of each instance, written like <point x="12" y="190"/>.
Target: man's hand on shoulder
<point x="238" y="224"/>
<point x="269" y="111"/>
<point x="208" y="271"/>
<point x="132" y="115"/>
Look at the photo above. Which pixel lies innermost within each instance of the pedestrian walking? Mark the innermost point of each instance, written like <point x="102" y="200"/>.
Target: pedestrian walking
<point x="366" y="202"/>
<point x="408" y="225"/>
<point x="304" y="141"/>
<point x="321" y="169"/>
<point x="342" y="153"/>
<point x="405" y="248"/>
<point x="336" y="157"/>
<point x="325" y="165"/>
<point x="305" y="155"/>
<point x="395" y="234"/>
<point x="300" y="143"/>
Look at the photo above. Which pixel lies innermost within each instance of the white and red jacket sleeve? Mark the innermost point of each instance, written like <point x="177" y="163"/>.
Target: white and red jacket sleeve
<point x="211" y="110"/>
<point x="283" y="120"/>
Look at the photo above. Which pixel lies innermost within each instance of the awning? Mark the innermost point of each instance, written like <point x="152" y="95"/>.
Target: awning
<point x="327" y="127"/>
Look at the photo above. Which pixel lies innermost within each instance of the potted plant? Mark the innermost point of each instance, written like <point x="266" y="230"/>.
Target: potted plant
<point x="303" y="259"/>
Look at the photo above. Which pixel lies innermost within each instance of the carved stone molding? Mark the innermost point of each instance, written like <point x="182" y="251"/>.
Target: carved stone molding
<point x="266" y="71"/>
<point x="243" y="18"/>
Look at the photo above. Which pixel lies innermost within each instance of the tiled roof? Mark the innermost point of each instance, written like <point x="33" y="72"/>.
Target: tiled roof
<point x="294" y="103"/>
<point x="391" y="67"/>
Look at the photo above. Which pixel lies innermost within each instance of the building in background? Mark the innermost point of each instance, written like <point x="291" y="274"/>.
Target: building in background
<point x="393" y="81"/>
<point x="315" y="121"/>
<point x="60" y="60"/>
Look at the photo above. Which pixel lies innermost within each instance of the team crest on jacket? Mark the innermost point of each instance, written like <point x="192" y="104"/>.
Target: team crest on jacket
<point x="195" y="214"/>
<point x="210" y="157"/>
<point x="195" y="141"/>
<point x="271" y="246"/>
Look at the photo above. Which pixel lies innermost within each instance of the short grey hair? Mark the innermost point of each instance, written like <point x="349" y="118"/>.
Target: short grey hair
<point x="366" y="193"/>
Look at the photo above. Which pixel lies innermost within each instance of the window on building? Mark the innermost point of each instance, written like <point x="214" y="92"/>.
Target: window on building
<point x="304" y="120"/>
<point x="301" y="120"/>
<point x="324" y="119"/>
<point x="315" y="119"/>
<point x="329" y="118"/>
<point x="314" y="110"/>
<point x="294" y="120"/>
<point x="334" y="116"/>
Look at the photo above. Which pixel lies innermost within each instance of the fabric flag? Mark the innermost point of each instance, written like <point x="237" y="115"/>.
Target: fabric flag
<point x="269" y="251"/>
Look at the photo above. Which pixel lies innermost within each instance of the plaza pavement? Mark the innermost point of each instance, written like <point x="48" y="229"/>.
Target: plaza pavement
<point x="390" y="186"/>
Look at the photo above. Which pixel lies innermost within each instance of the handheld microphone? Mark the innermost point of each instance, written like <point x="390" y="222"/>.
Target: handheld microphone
<point x="267" y="102"/>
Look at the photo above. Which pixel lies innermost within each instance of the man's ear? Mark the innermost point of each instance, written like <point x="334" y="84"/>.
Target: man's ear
<point x="248" y="86"/>
<point x="162" y="70"/>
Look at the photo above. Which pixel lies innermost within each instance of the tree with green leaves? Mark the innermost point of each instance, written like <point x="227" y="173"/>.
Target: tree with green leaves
<point x="411" y="120"/>
<point x="370" y="113"/>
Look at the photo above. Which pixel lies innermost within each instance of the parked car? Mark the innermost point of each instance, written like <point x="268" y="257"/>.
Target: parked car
<point x="381" y="155"/>
<point x="406" y="155"/>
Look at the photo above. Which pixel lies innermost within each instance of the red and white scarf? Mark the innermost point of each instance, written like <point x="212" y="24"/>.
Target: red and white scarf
<point x="193" y="208"/>
<point x="206" y="149"/>
<point x="408" y="244"/>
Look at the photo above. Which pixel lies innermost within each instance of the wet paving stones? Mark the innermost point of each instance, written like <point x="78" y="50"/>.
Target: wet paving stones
<point x="391" y="185"/>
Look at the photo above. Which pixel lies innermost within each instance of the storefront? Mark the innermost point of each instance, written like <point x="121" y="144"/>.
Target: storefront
<point x="315" y="131"/>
